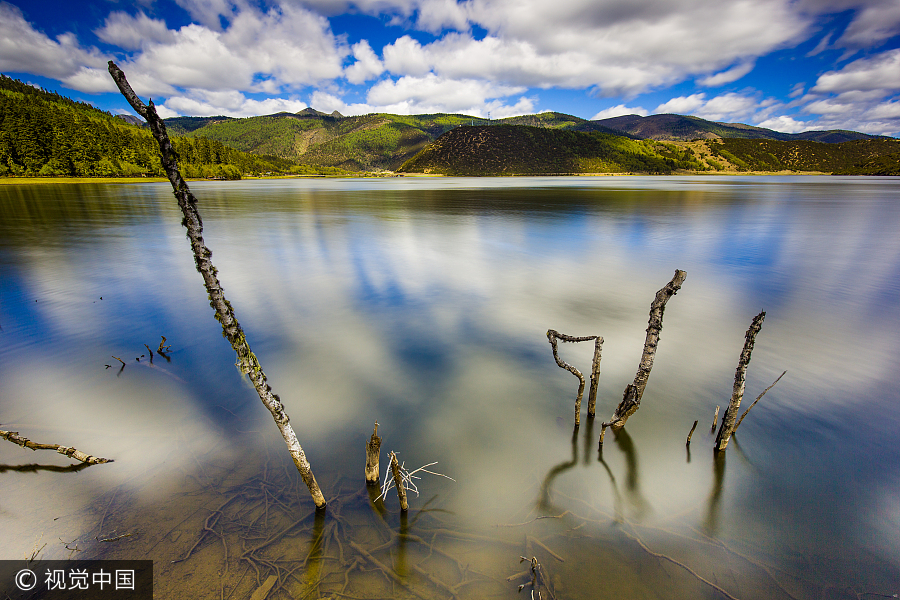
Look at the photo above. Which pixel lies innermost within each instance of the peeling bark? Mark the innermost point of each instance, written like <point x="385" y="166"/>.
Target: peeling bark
<point x="631" y="399"/>
<point x="15" y="438"/>
<point x="737" y="393"/>
<point x="224" y="313"/>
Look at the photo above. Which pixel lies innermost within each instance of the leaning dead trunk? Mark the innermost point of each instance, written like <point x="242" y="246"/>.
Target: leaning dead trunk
<point x="737" y="392"/>
<point x="231" y="329"/>
<point x="631" y="399"/>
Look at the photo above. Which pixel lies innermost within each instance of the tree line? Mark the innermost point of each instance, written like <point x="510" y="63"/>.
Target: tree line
<point x="45" y="134"/>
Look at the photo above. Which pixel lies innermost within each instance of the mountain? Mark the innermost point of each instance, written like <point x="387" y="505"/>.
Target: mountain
<point x="686" y="128"/>
<point x="526" y="150"/>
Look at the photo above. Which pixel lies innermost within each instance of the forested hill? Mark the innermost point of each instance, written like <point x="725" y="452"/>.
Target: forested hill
<point x="45" y="134"/>
<point x="521" y="150"/>
<point x="524" y="150"/>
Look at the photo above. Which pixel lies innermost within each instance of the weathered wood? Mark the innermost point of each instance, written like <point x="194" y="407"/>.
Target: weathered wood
<point x="737" y="391"/>
<point x="688" y="442"/>
<point x="595" y="378"/>
<point x="631" y="399"/>
<point x="758" y="398"/>
<point x="373" y="454"/>
<point x="715" y="419"/>
<point x="15" y="438"/>
<point x="553" y="336"/>
<point x="231" y="329"/>
<point x="398" y="483"/>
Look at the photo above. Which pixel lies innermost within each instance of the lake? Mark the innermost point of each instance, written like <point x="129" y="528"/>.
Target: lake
<point x="423" y="303"/>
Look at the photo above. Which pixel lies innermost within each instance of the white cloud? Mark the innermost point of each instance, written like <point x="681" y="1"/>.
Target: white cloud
<point x="732" y="74"/>
<point x="785" y="124"/>
<point x="229" y="103"/>
<point x="618" y="111"/>
<point x="23" y="49"/>
<point x="367" y="65"/>
<point x="880" y="72"/>
<point x="432" y="94"/>
<point x="132" y="32"/>
<point x="876" y="21"/>
<point x="682" y="105"/>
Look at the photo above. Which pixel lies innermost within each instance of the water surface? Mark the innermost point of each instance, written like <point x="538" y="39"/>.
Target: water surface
<point x="423" y="303"/>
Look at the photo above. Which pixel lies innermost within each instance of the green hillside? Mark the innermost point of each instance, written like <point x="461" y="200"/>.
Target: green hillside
<point x="803" y="155"/>
<point x="45" y="134"/>
<point x="364" y="143"/>
<point x="521" y="150"/>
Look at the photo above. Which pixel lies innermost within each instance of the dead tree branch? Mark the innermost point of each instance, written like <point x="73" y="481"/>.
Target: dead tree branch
<point x="758" y="398"/>
<point x="737" y="392"/>
<point x="553" y="336"/>
<point x="15" y="438"/>
<point x="231" y="329"/>
<point x="631" y="399"/>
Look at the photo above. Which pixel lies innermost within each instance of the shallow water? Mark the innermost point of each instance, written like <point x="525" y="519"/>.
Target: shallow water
<point x="423" y="303"/>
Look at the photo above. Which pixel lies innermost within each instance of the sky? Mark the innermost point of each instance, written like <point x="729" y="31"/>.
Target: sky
<point x="788" y="65"/>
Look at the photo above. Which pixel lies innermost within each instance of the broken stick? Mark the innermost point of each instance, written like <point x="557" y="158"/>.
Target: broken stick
<point x="758" y="398"/>
<point x="373" y="454"/>
<point x="15" y="438"/>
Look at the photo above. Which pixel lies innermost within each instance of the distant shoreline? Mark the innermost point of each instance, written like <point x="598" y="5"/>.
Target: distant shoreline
<point x="104" y="180"/>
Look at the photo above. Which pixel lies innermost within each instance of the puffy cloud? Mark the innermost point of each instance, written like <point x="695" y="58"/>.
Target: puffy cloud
<point x="785" y="124"/>
<point x="682" y="105"/>
<point x="618" y="111"/>
<point x="875" y="22"/>
<point x="367" y="65"/>
<point x="728" y="108"/>
<point x="24" y="49"/>
<point x="432" y="94"/>
<point x="229" y="103"/>
<point x="132" y="32"/>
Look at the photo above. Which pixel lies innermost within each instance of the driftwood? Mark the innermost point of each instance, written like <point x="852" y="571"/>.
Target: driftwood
<point x="737" y="392"/>
<point x="631" y="399"/>
<point x="715" y="419"/>
<point x="553" y="337"/>
<point x="373" y="453"/>
<point x="15" y="438"/>
<point x="231" y="329"/>
<point x="758" y="398"/>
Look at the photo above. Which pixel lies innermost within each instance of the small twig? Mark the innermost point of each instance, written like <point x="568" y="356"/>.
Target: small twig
<point x="120" y="360"/>
<point x="758" y="398"/>
<point x="117" y="538"/>
<point x="715" y="419"/>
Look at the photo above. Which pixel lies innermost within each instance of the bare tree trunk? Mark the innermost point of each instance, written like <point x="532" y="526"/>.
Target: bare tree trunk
<point x="373" y="453"/>
<point x="15" y="438"/>
<point x="737" y="392"/>
<point x="631" y="399"/>
<point x="231" y="329"/>
<point x="553" y="336"/>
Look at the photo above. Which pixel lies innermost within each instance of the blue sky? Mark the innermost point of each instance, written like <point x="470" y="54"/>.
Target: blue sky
<point x="790" y="65"/>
